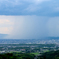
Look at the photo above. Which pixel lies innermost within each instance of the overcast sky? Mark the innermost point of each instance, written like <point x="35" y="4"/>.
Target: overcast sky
<point x="29" y="19"/>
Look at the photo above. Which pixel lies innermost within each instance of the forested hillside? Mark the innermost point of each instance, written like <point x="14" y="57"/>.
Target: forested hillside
<point x="50" y="55"/>
<point x="16" y="56"/>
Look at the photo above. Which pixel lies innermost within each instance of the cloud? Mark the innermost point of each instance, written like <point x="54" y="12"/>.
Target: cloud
<point x="29" y="7"/>
<point x="56" y="9"/>
<point x="5" y="21"/>
<point x="5" y="30"/>
<point x="19" y="2"/>
<point x="6" y="25"/>
<point x="35" y="1"/>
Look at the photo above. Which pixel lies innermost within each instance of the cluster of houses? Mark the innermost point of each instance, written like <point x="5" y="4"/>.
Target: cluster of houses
<point x="26" y="49"/>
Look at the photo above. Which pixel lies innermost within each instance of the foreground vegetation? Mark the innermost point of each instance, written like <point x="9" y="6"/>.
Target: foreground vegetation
<point x="50" y="55"/>
<point x="16" y="56"/>
<point x="47" y="55"/>
<point x="7" y="56"/>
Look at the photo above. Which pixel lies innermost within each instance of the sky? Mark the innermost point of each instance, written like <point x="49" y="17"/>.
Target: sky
<point x="29" y="19"/>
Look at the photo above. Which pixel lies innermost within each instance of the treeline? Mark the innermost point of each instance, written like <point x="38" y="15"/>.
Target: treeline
<point x="7" y="56"/>
<point x="50" y="55"/>
<point x="16" y="56"/>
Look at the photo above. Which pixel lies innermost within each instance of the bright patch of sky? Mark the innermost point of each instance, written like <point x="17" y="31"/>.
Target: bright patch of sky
<point x="6" y="24"/>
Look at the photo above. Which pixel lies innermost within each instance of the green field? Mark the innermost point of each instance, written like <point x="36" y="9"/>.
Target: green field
<point x="35" y="53"/>
<point x="14" y="51"/>
<point x="46" y="51"/>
